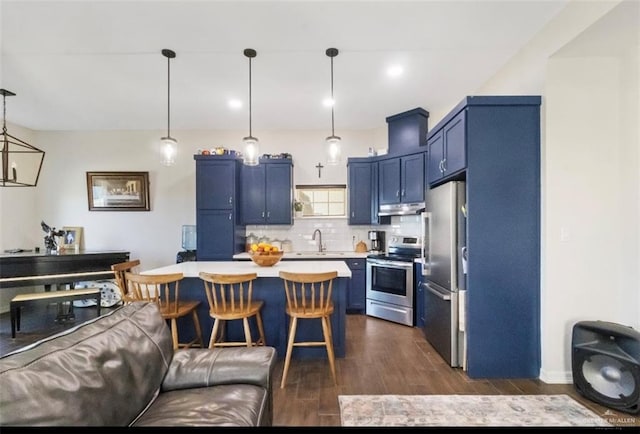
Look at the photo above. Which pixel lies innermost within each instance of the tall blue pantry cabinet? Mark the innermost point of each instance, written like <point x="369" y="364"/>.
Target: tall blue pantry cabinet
<point x="501" y="138"/>
<point x="220" y="233"/>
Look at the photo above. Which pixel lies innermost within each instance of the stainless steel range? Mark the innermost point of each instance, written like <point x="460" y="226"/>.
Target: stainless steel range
<point x="390" y="283"/>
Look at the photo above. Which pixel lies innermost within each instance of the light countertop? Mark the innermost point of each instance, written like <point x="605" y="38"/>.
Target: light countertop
<point x="193" y="268"/>
<point x="309" y="255"/>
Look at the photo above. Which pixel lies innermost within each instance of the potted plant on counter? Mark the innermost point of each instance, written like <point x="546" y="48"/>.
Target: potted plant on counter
<point x="297" y="207"/>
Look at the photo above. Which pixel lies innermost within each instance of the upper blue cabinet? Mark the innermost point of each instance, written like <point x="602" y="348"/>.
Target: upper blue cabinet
<point x="266" y="193"/>
<point x="447" y="149"/>
<point x="363" y="192"/>
<point x="407" y="131"/>
<point x="401" y="179"/>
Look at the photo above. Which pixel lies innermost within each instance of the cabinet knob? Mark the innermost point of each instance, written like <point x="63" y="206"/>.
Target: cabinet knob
<point x="230" y="199"/>
<point x="229" y="216"/>
<point x="268" y="214"/>
<point x="402" y="194"/>
<point x="444" y="165"/>
<point x="262" y="214"/>
<point x="398" y="193"/>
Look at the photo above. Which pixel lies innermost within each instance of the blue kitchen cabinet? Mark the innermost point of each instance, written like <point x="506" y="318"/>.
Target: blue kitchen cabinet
<point x="447" y="150"/>
<point x="501" y="136"/>
<point x="420" y="299"/>
<point x="215" y="239"/>
<point x="401" y="179"/>
<point x="266" y="193"/>
<point x="389" y="181"/>
<point x="215" y="182"/>
<point x="411" y="178"/>
<point x="219" y="234"/>
<point x="356" y="288"/>
<point x="363" y="192"/>
<point x="407" y="131"/>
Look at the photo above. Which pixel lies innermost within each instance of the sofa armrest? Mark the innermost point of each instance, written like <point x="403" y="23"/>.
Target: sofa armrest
<point x="196" y="367"/>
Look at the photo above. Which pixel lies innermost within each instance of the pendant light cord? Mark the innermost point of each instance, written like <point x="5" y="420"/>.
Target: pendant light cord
<point x="332" y="100"/>
<point x="168" y="96"/>
<point x="250" y="135"/>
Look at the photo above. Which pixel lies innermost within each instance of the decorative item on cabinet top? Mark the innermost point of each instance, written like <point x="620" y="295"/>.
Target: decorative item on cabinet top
<point x="282" y="155"/>
<point x="218" y="150"/>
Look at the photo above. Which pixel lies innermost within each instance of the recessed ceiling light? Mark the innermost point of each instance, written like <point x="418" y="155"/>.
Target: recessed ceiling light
<point x="328" y="102"/>
<point x="235" y="103"/>
<point x="395" y="71"/>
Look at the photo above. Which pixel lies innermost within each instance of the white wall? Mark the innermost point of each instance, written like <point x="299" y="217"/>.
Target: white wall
<point x="587" y="72"/>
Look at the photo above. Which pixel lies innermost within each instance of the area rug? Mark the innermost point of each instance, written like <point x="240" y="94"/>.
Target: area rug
<point x="465" y="410"/>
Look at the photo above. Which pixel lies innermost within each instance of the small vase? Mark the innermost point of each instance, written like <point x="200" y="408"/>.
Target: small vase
<point x="298" y="214"/>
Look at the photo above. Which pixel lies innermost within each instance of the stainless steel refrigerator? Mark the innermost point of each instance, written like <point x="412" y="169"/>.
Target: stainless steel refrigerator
<point x="444" y="283"/>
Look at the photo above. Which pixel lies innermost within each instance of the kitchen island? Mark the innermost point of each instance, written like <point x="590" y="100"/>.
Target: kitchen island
<point x="269" y="288"/>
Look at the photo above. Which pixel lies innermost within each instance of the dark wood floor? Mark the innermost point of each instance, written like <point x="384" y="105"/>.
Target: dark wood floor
<point x="381" y="358"/>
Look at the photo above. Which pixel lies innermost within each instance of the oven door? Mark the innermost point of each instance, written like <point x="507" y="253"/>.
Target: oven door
<point x="390" y="281"/>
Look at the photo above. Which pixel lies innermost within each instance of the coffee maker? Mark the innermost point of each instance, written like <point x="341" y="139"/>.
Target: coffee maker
<point x="377" y="241"/>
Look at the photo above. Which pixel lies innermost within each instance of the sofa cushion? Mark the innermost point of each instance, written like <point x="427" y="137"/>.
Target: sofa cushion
<point x="229" y="405"/>
<point x="83" y="376"/>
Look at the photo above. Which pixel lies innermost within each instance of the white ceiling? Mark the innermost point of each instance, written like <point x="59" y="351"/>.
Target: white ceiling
<point x="96" y="65"/>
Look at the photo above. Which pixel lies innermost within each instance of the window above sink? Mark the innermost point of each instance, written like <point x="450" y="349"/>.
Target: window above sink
<point x="322" y="200"/>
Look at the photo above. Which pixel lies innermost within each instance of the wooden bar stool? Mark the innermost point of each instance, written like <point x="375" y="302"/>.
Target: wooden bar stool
<point x="164" y="289"/>
<point x="230" y="298"/>
<point x="309" y="296"/>
<point x="119" y="270"/>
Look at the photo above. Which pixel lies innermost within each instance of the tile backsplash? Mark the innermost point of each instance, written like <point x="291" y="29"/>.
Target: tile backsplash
<point x="337" y="234"/>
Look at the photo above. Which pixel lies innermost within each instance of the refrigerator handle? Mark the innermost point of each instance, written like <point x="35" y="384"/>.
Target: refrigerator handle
<point x="437" y="293"/>
<point x="426" y="240"/>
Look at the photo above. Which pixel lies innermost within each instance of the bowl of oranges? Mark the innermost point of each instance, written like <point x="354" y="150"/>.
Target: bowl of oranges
<point x="264" y="254"/>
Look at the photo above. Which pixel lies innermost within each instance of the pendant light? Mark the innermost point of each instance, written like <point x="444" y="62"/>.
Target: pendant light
<point x="333" y="141"/>
<point x="169" y="146"/>
<point x="251" y="150"/>
<point x="21" y="162"/>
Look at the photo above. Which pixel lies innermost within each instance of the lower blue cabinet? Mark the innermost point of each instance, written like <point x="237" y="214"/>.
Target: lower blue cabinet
<point x="356" y="288"/>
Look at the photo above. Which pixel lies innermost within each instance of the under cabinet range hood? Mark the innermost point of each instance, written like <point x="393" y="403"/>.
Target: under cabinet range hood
<point x="401" y="209"/>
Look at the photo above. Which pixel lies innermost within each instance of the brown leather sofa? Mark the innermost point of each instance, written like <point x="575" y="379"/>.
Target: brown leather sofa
<point x="121" y="370"/>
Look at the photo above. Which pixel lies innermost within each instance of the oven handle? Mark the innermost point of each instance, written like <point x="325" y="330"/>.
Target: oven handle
<point x="391" y="264"/>
<point x="437" y="293"/>
<point x="387" y="307"/>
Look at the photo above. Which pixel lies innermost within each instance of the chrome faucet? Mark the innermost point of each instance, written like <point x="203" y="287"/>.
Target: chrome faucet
<point x="320" y="247"/>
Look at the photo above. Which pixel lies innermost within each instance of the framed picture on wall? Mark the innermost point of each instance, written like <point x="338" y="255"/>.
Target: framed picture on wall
<point x="72" y="237"/>
<point x="118" y="191"/>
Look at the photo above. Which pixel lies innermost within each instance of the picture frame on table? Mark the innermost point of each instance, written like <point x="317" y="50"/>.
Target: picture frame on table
<point x="118" y="191"/>
<point x="72" y="237"/>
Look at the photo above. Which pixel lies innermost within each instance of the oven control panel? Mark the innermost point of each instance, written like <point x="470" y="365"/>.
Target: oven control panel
<point x="405" y="241"/>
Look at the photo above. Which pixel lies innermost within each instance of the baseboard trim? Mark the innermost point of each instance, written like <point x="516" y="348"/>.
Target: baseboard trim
<point x="556" y="377"/>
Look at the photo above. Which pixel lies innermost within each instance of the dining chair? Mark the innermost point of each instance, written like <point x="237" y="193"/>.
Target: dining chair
<point x="164" y="289"/>
<point x="119" y="270"/>
<point x="230" y="298"/>
<point x="309" y="297"/>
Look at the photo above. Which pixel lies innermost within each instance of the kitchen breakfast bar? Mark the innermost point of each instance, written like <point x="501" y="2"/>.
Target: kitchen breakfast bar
<point x="269" y="288"/>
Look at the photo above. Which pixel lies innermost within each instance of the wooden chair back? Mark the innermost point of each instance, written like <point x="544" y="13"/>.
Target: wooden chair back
<point x="309" y="294"/>
<point x="119" y="270"/>
<point x="229" y="293"/>
<point x="163" y="289"/>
